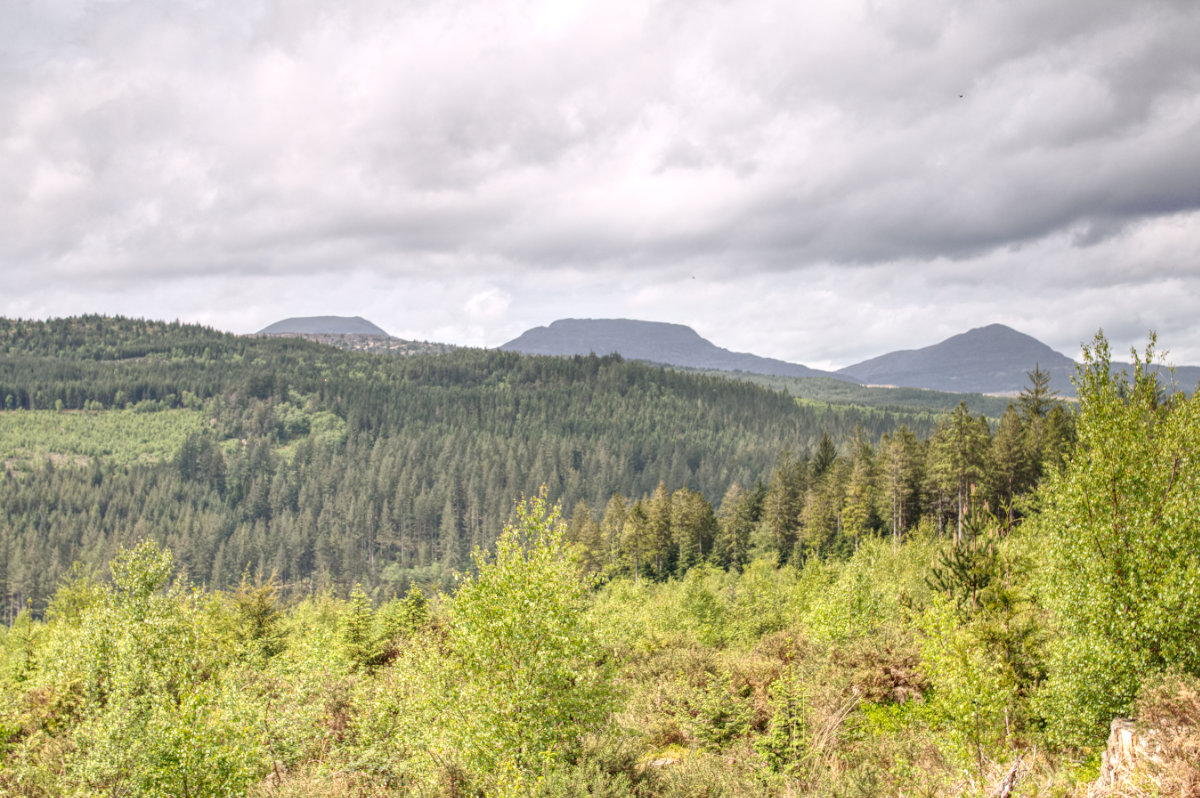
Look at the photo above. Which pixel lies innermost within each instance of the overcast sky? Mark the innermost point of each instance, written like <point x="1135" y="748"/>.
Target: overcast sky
<point x="814" y="181"/>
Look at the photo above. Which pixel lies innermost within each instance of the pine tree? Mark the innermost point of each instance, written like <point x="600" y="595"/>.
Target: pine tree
<point x="737" y="516"/>
<point x="823" y="459"/>
<point x="784" y="502"/>
<point x="693" y="527"/>
<point x="858" y="514"/>
<point x="957" y="451"/>
<point x="1010" y="464"/>
<point x="900" y="460"/>
<point x="612" y="525"/>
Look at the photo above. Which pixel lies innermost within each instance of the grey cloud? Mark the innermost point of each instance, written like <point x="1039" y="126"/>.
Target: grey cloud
<point x="333" y="114"/>
<point x="769" y="142"/>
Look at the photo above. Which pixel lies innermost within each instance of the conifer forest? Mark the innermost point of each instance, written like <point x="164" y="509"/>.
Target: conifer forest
<point x="263" y="566"/>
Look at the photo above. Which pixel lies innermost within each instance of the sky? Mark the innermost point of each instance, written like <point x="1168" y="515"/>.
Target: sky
<point x="817" y="181"/>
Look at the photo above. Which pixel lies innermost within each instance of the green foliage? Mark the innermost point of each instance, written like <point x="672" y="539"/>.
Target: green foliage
<point x="257" y="621"/>
<point x="402" y="617"/>
<point x="705" y="612"/>
<point x="148" y="715"/>
<point x="845" y="678"/>
<point x="964" y="572"/>
<point x="527" y="672"/>
<point x="786" y="744"/>
<point x="859" y="596"/>
<point x="139" y="572"/>
<point x="117" y="437"/>
<point x="974" y="693"/>
<point x="331" y="468"/>
<point x="721" y="714"/>
<point x="878" y="660"/>
<point x="360" y="644"/>
<point x="1122" y="525"/>
<point x="761" y="602"/>
<point x="739" y="513"/>
<point x="957" y="456"/>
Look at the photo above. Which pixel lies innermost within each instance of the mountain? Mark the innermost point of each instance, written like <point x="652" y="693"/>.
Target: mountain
<point x="322" y="325"/>
<point x="653" y="341"/>
<point x="991" y="359"/>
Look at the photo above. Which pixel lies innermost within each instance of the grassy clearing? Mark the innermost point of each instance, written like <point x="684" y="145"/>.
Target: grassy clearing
<point x="118" y="436"/>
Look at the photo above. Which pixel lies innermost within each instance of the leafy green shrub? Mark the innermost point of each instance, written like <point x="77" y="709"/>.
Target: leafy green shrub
<point x="974" y="694"/>
<point x="703" y="605"/>
<point x="149" y="712"/>
<point x="762" y="600"/>
<point x="1122" y="527"/>
<point x="606" y="767"/>
<point x="526" y="667"/>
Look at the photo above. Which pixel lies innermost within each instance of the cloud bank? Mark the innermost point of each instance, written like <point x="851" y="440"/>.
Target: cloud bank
<point x="819" y="182"/>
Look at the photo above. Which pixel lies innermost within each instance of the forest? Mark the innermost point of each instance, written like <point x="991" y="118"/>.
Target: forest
<point x="263" y="566"/>
<point x="329" y="468"/>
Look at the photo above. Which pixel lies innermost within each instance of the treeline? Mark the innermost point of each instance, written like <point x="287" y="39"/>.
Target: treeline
<point x="330" y="468"/>
<point x="826" y="504"/>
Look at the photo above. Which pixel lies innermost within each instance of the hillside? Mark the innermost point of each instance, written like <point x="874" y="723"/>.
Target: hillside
<point x="378" y="344"/>
<point x="654" y="342"/>
<point x="858" y="622"/>
<point x="331" y="467"/>
<point x="352" y="333"/>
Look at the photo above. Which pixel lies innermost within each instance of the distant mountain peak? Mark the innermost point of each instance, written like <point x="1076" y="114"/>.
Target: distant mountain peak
<point x="994" y="358"/>
<point x="322" y="325"/>
<point x="654" y="341"/>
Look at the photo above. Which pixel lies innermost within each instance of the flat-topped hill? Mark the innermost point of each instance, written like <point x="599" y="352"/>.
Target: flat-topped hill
<point x="322" y="325"/>
<point x="656" y="342"/>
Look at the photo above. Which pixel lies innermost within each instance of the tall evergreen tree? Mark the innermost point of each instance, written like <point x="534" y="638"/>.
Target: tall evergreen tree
<point x="1010" y="463"/>
<point x="783" y="503"/>
<point x="858" y="513"/>
<point x="823" y="459"/>
<point x="900" y="458"/>
<point x="693" y="527"/>
<point x="957" y="457"/>
<point x="738" y="514"/>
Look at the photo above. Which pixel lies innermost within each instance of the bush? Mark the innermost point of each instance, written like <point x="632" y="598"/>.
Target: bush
<point x="1122" y="528"/>
<point x="528" y="674"/>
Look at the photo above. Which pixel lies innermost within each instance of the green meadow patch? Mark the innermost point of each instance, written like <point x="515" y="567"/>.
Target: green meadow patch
<point x="118" y="436"/>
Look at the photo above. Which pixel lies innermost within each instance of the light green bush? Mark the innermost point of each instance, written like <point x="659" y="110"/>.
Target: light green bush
<point x="1121" y="526"/>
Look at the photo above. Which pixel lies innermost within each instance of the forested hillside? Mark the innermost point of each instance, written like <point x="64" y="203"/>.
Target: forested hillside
<point x="862" y="613"/>
<point x="983" y="660"/>
<point x="330" y="468"/>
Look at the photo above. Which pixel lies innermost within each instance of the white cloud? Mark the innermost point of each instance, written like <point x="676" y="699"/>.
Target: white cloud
<point x="839" y="178"/>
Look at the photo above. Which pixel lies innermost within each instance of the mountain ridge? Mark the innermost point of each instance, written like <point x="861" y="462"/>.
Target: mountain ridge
<point x="652" y="341"/>
<point x="992" y="359"/>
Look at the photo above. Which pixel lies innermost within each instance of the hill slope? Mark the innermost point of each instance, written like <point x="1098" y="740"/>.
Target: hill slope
<point x="278" y="455"/>
<point x="656" y="342"/>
